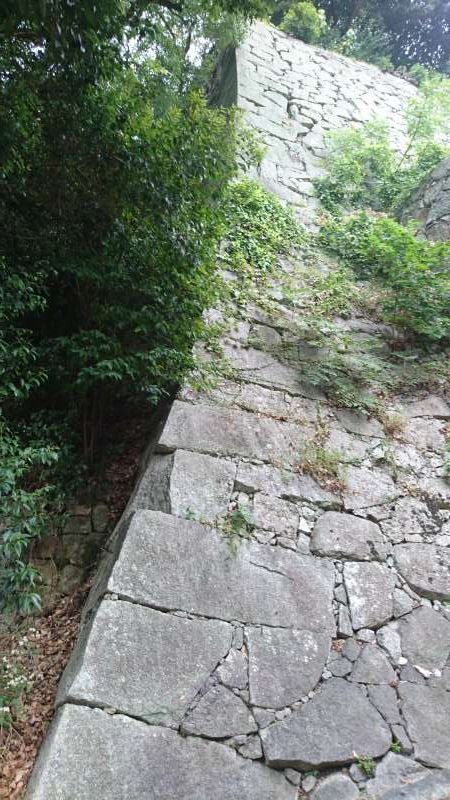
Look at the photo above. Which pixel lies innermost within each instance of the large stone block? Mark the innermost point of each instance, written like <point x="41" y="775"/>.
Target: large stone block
<point x="370" y="590"/>
<point x="343" y="535"/>
<point x="90" y="755"/>
<point x="144" y="663"/>
<point x="425" y="637"/>
<point x="220" y="431"/>
<point x="426" y="568"/>
<point x="171" y="564"/>
<point x="284" y="665"/>
<point x="427" y="712"/>
<point x="329" y="731"/>
<point x="284" y="483"/>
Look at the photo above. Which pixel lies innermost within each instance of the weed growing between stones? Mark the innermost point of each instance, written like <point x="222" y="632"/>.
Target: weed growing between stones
<point x="236" y="526"/>
<point x="323" y="465"/>
<point x="365" y="763"/>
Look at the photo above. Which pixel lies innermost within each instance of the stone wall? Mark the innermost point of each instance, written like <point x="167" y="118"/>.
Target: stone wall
<point x="294" y="93"/>
<point x="278" y="662"/>
<point x="430" y="205"/>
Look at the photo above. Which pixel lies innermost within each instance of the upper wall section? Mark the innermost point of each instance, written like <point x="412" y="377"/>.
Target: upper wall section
<point x="294" y="93"/>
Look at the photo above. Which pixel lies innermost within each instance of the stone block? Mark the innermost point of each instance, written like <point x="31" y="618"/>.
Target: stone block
<point x="329" y="731"/>
<point x="219" y="714"/>
<point x="142" y="662"/>
<point x="284" y="665"/>
<point x="177" y="564"/>
<point x="220" y="431"/>
<point x="89" y="754"/>
<point x="370" y="590"/>
<point x="426" y="568"/>
<point x="343" y="535"/>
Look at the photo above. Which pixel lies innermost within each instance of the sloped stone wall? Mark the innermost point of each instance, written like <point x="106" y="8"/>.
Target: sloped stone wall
<point x="276" y="663"/>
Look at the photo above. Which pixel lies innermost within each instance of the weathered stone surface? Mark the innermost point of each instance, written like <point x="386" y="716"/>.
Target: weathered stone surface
<point x="144" y="663"/>
<point x="433" y="787"/>
<point x="430" y="204"/>
<point x="388" y="637"/>
<point x="221" y="431"/>
<point x="91" y="754"/>
<point x="252" y="748"/>
<point x="426" y="568"/>
<point x="218" y="714"/>
<point x="425" y="434"/>
<point x="394" y="772"/>
<point x="336" y="787"/>
<point x="328" y="731"/>
<point x="258" y="367"/>
<point x="283" y="483"/>
<point x="368" y="487"/>
<point x="384" y="698"/>
<point x="431" y="406"/>
<point x="172" y="563"/>
<point x="350" y="448"/>
<point x="427" y="714"/>
<point x="370" y="589"/>
<point x="234" y="670"/>
<point x="425" y="637"/>
<point x="343" y="535"/>
<point x="284" y="665"/>
<point x="272" y="514"/>
<point x="185" y="482"/>
<point x="263" y="401"/>
<point x="360" y="424"/>
<point x="200" y="484"/>
<point x="410" y="516"/>
<point x="372" y="667"/>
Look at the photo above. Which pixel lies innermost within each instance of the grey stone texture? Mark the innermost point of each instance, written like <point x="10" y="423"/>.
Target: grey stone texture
<point x="176" y="564"/>
<point x="218" y="714"/>
<point x="336" y="787"/>
<point x="433" y="787"/>
<point x="284" y="665"/>
<point x="343" y="535"/>
<point x="430" y="205"/>
<point x="394" y="771"/>
<point x="186" y="483"/>
<point x="425" y="638"/>
<point x="372" y="667"/>
<point x="144" y="663"/>
<point x="89" y="754"/>
<point x="427" y="712"/>
<point x="219" y="431"/>
<point x="329" y="731"/>
<point x="426" y="568"/>
<point x="370" y="589"/>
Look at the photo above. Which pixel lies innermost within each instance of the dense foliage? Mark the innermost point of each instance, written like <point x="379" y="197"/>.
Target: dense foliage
<point x="363" y="170"/>
<point x="416" y="273"/>
<point x="365" y="173"/>
<point x="112" y="191"/>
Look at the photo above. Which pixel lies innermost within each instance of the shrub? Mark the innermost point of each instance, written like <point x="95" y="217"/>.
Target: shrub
<point x="304" y="21"/>
<point x="363" y="171"/>
<point x="416" y="273"/>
